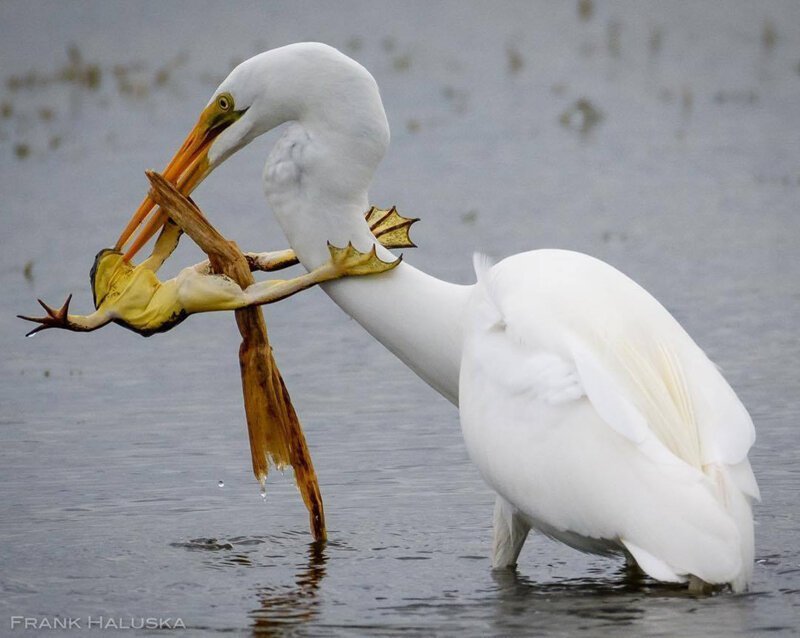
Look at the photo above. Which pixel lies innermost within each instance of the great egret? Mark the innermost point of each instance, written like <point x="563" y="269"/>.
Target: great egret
<point x="583" y="403"/>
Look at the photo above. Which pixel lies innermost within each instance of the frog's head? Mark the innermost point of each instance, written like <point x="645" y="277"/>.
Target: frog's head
<point x="108" y="270"/>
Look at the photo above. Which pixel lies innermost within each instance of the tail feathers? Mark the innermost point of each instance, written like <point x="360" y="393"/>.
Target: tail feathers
<point x="735" y="487"/>
<point x="741" y="511"/>
<point x="723" y="555"/>
<point x="652" y="566"/>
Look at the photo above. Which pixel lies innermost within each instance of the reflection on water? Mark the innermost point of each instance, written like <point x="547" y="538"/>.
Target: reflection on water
<point x="611" y="600"/>
<point x="292" y="604"/>
<point x="279" y="604"/>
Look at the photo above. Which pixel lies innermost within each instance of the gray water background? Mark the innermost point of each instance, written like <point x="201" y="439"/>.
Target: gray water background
<point x="663" y="138"/>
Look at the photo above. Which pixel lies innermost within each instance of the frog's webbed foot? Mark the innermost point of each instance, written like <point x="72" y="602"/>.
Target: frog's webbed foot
<point x="348" y="261"/>
<point x="390" y="228"/>
<point x="62" y="319"/>
<point x="53" y="319"/>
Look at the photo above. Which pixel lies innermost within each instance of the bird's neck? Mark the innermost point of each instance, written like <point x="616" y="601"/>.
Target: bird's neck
<point x="416" y="316"/>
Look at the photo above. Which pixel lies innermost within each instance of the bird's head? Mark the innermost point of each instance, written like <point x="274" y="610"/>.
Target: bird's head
<point x="214" y="137"/>
<point x="301" y="82"/>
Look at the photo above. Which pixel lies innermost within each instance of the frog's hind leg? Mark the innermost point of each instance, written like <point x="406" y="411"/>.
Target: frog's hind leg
<point x="62" y="319"/>
<point x="344" y="262"/>
<point x="201" y="292"/>
<point x="211" y="293"/>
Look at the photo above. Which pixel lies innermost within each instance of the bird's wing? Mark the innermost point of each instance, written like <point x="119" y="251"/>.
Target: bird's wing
<point x="635" y="402"/>
<point x="589" y="330"/>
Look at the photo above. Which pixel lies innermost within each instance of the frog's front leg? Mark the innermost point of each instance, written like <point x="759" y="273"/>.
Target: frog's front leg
<point x="264" y="262"/>
<point x="166" y="244"/>
<point x="62" y="319"/>
<point x="271" y="261"/>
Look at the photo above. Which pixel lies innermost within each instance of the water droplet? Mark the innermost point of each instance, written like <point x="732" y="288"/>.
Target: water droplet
<point x="263" y="492"/>
<point x="221" y="484"/>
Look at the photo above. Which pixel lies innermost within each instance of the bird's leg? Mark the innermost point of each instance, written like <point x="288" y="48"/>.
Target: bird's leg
<point x="62" y="319"/>
<point x="510" y="532"/>
<point x="198" y="292"/>
<point x="699" y="587"/>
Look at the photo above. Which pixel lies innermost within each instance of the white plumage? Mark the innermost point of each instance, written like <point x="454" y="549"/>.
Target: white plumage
<point x="583" y="403"/>
<point x="590" y="411"/>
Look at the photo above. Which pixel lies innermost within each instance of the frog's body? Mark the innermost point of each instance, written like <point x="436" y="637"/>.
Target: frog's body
<point x="134" y="297"/>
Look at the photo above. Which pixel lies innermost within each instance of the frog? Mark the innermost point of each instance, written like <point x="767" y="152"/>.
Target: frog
<point x="133" y="296"/>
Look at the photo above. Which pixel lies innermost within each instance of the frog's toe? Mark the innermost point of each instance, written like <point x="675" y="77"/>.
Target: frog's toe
<point x="390" y="227"/>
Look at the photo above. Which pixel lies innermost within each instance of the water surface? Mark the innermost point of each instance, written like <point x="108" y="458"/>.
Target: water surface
<point x="662" y="138"/>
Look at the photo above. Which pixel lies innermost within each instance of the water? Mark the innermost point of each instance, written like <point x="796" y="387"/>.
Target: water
<point x="661" y="138"/>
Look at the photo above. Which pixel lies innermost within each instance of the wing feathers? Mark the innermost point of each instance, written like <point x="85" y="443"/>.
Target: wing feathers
<point x="656" y="376"/>
<point x="644" y="375"/>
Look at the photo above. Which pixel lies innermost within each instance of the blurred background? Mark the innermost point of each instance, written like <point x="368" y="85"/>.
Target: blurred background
<point x="660" y="137"/>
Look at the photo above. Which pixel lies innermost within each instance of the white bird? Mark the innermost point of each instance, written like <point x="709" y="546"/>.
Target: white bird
<point x="584" y="404"/>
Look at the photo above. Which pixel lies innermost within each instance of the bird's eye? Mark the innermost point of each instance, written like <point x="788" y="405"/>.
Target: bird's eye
<point x="225" y="102"/>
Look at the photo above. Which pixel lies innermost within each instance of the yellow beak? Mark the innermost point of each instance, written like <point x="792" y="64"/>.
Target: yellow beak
<point x="186" y="170"/>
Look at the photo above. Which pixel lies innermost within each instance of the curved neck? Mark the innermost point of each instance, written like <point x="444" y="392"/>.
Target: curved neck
<point x="416" y="316"/>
